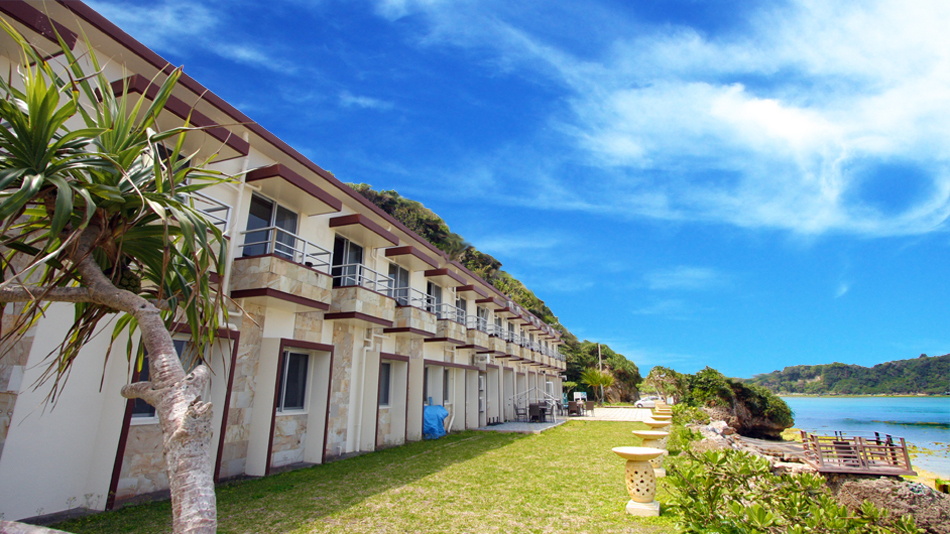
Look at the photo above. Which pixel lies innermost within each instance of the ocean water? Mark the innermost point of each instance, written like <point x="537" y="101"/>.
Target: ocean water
<point x="922" y="421"/>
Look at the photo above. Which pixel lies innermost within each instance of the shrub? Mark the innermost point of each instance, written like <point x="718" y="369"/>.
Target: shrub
<point x="680" y="438"/>
<point x="689" y="415"/>
<point x="728" y="491"/>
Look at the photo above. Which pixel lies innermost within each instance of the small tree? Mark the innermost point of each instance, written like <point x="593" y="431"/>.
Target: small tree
<point x="595" y="379"/>
<point x="95" y="217"/>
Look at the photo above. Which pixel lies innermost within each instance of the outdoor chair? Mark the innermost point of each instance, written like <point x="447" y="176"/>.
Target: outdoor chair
<point x="572" y="408"/>
<point x="521" y="413"/>
<point x="590" y="407"/>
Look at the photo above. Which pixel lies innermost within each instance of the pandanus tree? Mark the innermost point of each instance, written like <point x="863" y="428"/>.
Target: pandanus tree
<point x="597" y="379"/>
<point x="98" y="210"/>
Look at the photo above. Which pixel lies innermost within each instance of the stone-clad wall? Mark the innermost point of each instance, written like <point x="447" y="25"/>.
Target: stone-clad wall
<point x="450" y="329"/>
<point x="385" y="426"/>
<point x="276" y="273"/>
<point x="358" y="299"/>
<point x="143" y="464"/>
<point x="345" y="341"/>
<point x="234" y="455"/>
<point x="412" y="317"/>
<point x="12" y="366"/>
<point x="290" y="435"/>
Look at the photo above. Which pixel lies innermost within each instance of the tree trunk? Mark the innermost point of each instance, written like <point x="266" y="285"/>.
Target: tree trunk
<point x="185" y="419"/>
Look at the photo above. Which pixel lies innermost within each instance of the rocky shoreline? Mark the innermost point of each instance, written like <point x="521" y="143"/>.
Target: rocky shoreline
<point x="930" y="509"/>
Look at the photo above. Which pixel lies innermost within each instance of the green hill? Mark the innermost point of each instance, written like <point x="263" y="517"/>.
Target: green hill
<point x="929" y="375"/>
<point x="424" y="222"/>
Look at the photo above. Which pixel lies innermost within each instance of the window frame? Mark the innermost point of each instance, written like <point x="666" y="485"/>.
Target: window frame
<point x="148" y="414"/>
<point x="280" y="406"/>
<point x="386" y="383"/>
<point x="275" y="207"/>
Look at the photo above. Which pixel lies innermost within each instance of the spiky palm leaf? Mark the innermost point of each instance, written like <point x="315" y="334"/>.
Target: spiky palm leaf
<point x="75" y="156"/>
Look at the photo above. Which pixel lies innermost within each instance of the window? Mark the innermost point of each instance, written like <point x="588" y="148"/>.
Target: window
<point x="435" y="298"/>
<point x="293" y="381"/>
<point x="347" y="262"/>
<point x="265" y="213"/>
<point x="446" y="398"/>
<point x="189" y="360"/>
<point x="385" y="381"/>
<point x="461" y="307"/>
<point x="399" y="284"/>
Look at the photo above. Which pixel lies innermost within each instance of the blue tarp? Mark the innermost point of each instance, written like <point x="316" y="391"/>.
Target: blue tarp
<point x="432" y="426"/>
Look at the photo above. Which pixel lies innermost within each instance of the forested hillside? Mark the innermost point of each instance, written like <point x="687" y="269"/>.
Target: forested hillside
<point x="925" y="374"/>
<point x="431" y="227"/>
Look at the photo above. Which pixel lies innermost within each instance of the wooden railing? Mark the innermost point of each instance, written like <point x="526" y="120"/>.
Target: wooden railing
<point x="878" y="454"/>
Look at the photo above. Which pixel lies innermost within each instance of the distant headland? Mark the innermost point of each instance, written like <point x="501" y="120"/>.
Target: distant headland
<point x="925" y="375"/>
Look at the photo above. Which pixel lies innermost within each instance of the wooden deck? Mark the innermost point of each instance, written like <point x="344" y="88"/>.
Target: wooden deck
<point x="880" y="454"/>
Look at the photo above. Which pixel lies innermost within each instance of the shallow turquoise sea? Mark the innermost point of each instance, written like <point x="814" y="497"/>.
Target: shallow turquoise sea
<point x="923" y="421"/>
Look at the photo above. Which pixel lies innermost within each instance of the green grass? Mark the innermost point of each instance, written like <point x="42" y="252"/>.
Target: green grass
<point x="564" y="480"/>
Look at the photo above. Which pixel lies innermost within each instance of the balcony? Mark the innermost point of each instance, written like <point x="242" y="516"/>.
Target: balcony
<point x="477" y="328"/>
<point x="361" y="296"/>
<point x="448" y="329"/>
<point x="216" y="211"/>
<point x="293" y="190"/>
<point x="412" y="317"/>
<point x="279" y="276"/>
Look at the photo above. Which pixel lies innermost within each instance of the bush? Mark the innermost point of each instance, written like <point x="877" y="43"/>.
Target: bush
<point x="728" y="491"/>
<point x="689" y="415"/>
<point x="680" y="438"/>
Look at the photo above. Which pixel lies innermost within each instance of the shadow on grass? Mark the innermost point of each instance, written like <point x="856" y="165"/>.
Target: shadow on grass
<point x="293" y="499"/>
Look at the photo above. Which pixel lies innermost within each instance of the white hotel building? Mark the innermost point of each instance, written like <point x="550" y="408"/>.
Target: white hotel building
<point x="353" y="322"/>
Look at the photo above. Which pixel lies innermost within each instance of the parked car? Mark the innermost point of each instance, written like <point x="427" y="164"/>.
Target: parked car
<point x="646" y="402"/>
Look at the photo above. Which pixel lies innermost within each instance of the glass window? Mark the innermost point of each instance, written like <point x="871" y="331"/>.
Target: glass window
<point x="265" y="213"/>
<point x="189" y="360"/>
<point x="347" y="262"/>
<point x="446" y="399"/>
<point x="435" y="297"/>
<point x="293" y="381"/>
<point x="461" y="305"/>
<point x="385" y="380"/>
<point x="399" y="284"/>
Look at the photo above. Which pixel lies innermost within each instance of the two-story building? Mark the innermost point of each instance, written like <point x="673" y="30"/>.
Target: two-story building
<point x="344" y="325"/>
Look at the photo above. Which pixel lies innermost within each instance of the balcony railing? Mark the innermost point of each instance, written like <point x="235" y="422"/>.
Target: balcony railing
<point x="280" y="242"/>
<point x="444" y="310"/>
<point x="218" y="212"/>
<point x="357" y="274"/>
<point x="474" y="322"/>
<point x="408" y="296"/>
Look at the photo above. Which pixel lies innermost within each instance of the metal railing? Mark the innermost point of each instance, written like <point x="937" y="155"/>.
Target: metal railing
<point x="357" y="274"/>
<point x="474" y="322"/>
<point x="409" y="296"/>
<point x="444" y="310"/>
<point x="218" y="212"/>
<point x="880" y="454"/>
<point x="280" y="242"/>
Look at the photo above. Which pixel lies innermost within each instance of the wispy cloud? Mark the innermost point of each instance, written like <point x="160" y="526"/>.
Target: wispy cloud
<point x="670" y="308"/>
<point x="348" y="100"/>
<point x="794" y="123"/>
<point x="842" y="289"/>
<point x="180" y="26"/>
<point x="684" y="277"/>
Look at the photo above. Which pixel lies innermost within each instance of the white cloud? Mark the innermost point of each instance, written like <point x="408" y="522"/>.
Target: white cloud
<point x="180" y="26"/>
<point x="350" y="100"/>
<point x="843" y="288"/>
<point x="758" y="128"/>
<point x="683" y="277"/>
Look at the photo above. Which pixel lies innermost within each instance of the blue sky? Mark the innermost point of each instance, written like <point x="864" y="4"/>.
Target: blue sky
<point x="745" y="185"/>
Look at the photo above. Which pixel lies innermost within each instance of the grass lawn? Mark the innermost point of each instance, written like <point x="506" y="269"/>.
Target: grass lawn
<point x="564" y="480"/>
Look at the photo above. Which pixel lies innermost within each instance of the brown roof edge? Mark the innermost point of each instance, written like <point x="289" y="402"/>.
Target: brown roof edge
<point x="92" y="17"/>
<point x="278" y="170"/>
<point x="365" y="222"/>
<point x="409" y="250"/>
<point x="39" y="22"/>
